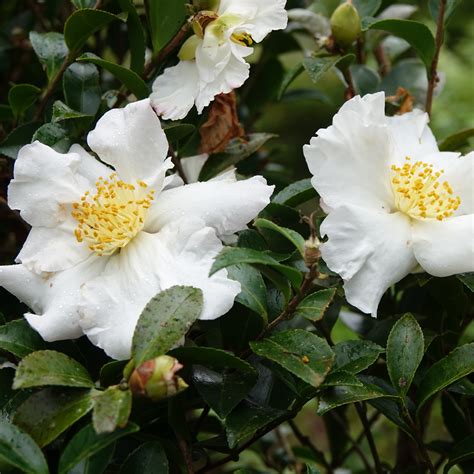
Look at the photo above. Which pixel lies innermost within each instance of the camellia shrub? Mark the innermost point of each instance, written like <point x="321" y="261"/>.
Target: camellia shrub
<point x="236" y="236"/>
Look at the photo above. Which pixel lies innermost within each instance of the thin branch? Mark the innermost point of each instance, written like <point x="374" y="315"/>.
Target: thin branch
<point x="382" y="60"/>
<point x="433" y="78"/>
<point x="361" y="411"/>
<point x="350" y="91"/>
<point x="185" y="451"/>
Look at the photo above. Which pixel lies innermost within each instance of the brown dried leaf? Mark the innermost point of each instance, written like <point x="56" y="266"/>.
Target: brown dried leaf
<point x="402" y="100"/>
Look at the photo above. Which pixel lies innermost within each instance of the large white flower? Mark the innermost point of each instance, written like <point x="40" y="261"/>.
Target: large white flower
<point x="395" y="202"/>
<point x="105" y="240"/>
<point x="213" y="60"/>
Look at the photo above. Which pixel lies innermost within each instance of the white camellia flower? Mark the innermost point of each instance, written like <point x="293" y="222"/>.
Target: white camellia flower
<point x="212" y="61"/>
<point x="105" y="240"/>
<point x="395" y="202"/>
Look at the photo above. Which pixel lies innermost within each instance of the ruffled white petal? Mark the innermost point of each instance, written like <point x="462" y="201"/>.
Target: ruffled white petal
<point x="445" y="248"/>
<point x="223" y="203"/>
<point x="89" y="167"/>
<point x="350" y="160"/>
<point x="192" y="166"/>
<point x="371" y="250"/>
<point x="261" y="16"/>
<point x="181" y="254"/>
<point x="175" y="91"/>
<point x="45" y="184"/>
<point x="132" y="141"/>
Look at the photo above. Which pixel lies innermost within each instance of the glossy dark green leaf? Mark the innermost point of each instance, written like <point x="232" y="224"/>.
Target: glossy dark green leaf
<point x="456" y="365"/>
<point x="318" y="66"/>
<point x="367" y="7"/>
<point x="254" y="292"/>
<point x="112" y="409"/>
<point x="95" y="464"/>
<point x="391" y="410"/>
<point x="314" y="306"/>
<point x="147" y="458"/>
<point x="234" y="256"/>
<point x="19" y="451"/>
<point x="302" y="353"/>
<point x="415" y="33"/>
<point x="46" y="414"/>
<point x="177" y="131"/>
<point x="355" y="356"/>
<point x="450" y="8"/>
<point x="165" y="19"/>
<point x="19" y="338"/>
<point x="84" y="23"/>
<point x="54" y="135"/>
<point x="366" y="80"/>
<point x="457" y="140"/>
<point x="62" y="112"/>
<point x="129" y="78"/>
<point x="462" y="451"/>
<point x="51" y="50"/>
<point x="43" y="368"/>
<point x="341" y="377"/>
<point x="296" y="239"/>
<point x="405" y="349"/>
<point x="18" y="138"/>
<point x="164" y="321"/>
<point x="338" y="396"/>
<point x="87" y="442"/>
<point x="81" y="88"/>
<point x="288" y="78"/>
<point x="21" y="97"/>
<point x="237" y="150"/>
<point x="296" y="193"/>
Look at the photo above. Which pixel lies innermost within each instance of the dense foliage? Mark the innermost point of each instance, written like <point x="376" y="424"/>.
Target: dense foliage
<point x="293" y="378"/>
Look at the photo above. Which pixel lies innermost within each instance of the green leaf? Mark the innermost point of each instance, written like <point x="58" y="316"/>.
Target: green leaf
<point x="112" y="409"/>
<point x="288" y="78"/>
<point x="314" y="306"/>
<point x="339" y="396"/>
<point x="341" y="377"/>
<point x="21" y="97"/>
<point x="234" y="256"/>
<point x="54" y="135"/>
<point x="83" y="3"/>
<point x="457" y="140"/>
<point x="318" y="66"/>
<point x="467" y="279"/>
<point x="84" y="23"/>
<point x="19" y="137"/>
<point x="391" y="410"/>
<point x="165" y="19"/>
<point x="296" y="239"/>
<point x="46" y="414"/>
<point x="147" y="458"/>
<point x="51" y="50"/>
<point x="355" y="356"/>
<point x="367" y="7"/>
<point x="237" y="150"/>
<point x="296" y="193"/>
<point x="44" y="368"/>
<point x="62" y="112"/>
<point x="18" y="450"/>
<point x="365" y="79"/>
<point x="130" y="79"/>
<point x="164" y="321"/>
<point x="222" y="379"/>
<point x="177" y="131"/>
<point x="456" y="365"/>
<point x="19" y="338"/>
<point x="81" y="88"/>
<point x="462" y="451"/>
<point x="302" y="353"/>
<point x="450" y="8"/>
<point x="405" y="349"/>
<point x="96" y="464"/>
<point x="87" y="442"/>
<point x="254" y="292"/>
<point x="415" y="33"/>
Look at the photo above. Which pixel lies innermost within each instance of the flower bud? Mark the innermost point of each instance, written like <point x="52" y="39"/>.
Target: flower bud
<point x="156" y="379"/>
<point x="312" y="253"/>
<point x="202" y="20"/>
<point x="345" y="25"/>
<point x="188" y="49"/>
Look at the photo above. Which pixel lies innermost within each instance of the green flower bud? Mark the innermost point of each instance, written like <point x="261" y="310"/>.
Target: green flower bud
<point x="345" y="25"/>
<point x="312" y="253"/>
<point x="188" y="49"/>
<point x="156" y="379"/>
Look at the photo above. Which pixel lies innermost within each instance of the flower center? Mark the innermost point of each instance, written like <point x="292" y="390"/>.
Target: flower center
<point x="243" y="39"/>
<point x="420" y="193"/>
<point x="113" y="216"/>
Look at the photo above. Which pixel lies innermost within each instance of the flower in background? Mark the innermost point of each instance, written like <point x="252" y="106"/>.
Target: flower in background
<point x="394" y="201"/>
<point x="212" y="61"/>
<point x="105" y="240"/>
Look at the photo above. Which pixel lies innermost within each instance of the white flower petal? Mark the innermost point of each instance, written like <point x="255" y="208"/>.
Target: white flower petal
<point x="445" y="248"/>
<point x="350" y="160"/>
<point x="181" y="254"/>
<point x="45" y="184"/>
<point x="371" y="250"/>
<point x="262" y="16"/>
<point x="225" y="204"/>
<point x="132" y="141"/>
<point x="175" y="91"/>
<point x="89" y="167"/>
<point x="192" y="166"/>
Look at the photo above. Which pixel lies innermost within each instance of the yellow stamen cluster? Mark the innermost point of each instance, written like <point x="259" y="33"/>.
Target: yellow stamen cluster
<point x="420" y="193"/>
<point x="113" y="216"/>
<point x="242" y="38"/>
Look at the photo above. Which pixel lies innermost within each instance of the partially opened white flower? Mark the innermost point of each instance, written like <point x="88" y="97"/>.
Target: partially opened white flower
<point x="104" y="241"/>
<point x="395" y="202"/>
<point x="212" y="61"/>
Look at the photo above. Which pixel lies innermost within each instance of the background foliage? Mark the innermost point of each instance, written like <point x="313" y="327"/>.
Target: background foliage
<point x="292" y="379"/>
